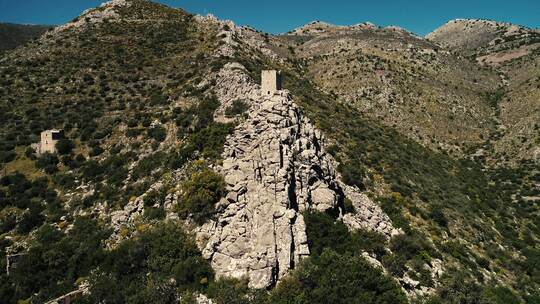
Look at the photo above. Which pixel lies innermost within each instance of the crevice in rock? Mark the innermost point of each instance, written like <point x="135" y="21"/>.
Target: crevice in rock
<point x="275" y="269"/>
<point x="293" y="244"/>
<point x="280" y="155"/>
<point x="291" y="191"/>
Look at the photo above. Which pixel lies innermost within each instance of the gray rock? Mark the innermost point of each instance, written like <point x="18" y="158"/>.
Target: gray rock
<point x="275" y="167"/>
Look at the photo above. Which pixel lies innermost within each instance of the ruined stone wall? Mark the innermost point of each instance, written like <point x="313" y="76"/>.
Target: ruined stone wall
<point x="270" y="82"/>
<point x="49" y="138"/>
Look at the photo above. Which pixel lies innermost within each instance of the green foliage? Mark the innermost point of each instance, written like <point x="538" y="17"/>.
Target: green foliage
<point x="201" y="192"/>
<point x="352" y="174"/>
<point x="209" y="141"/>
<point x="150" y="268"/>
<point x="35" y="197"/>
<point x="54" y="262"/>
<point x="437" y="215"/>
<point x="335" y="278"/>
<point x="158" y="133"/>
<point x="323" y="231"/>
<point x="457" y="287"/>
<point x="7" y="156"/>
<point x="48" y="162"/>
<point x="149" y="164"/>
<point x="229" y="291"/>
<point x="64" y="146"/>
<point x="393" y="206"/>
<point x="411" y="247"/>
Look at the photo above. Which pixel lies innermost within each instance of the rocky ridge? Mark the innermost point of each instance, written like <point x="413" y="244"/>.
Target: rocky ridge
<point x="275" y="167"/>
<point x="106" y="11"/>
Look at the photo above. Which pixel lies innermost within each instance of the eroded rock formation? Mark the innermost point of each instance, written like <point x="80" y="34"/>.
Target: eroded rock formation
<point x="276" y="168"/>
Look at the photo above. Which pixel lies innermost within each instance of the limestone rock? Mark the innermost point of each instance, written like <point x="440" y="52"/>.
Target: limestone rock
<point x="275" y="167"/>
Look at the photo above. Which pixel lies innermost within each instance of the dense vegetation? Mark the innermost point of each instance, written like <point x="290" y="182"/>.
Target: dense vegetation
<point x="53" y="262"/>
<point x="14" y="35"/>
<point x="154" y="267"/>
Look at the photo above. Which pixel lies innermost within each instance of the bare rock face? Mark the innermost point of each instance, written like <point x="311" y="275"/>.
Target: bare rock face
<point x="276" y="168"/>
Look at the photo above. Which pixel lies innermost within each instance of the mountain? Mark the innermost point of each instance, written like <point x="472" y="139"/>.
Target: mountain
<point x="475" y="34"/>
<point x="14" y="35"/>
<point x="391" y="169"/>
<point x="512" y="52"/>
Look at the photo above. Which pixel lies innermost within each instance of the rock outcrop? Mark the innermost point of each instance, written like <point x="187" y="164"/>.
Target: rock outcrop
<point x="276" y="168"/>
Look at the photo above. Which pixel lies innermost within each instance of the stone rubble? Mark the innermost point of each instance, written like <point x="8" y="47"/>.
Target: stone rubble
<point x="276" y="168"/>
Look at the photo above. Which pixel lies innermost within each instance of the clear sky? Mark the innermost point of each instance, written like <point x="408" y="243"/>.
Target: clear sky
<point x="278" y="16"/>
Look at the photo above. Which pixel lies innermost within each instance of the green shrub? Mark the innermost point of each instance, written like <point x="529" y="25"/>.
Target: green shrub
<point x="229" y="291"/>
<point x="437" y="215"/>
<point x="7" y="156"/>
<point x="158" y="133"/>
<point x="54" y="261"/>
<point x="204" y="189"/>
<point x="335" y="278"/>
<point x="209" y="141"/>
<point x="48" y="162"/>
<point x="352" y="174"/>
<point x="140" y="269"/>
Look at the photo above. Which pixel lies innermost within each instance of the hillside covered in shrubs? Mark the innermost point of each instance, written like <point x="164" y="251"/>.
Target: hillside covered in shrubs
<point x="115" y="211"/>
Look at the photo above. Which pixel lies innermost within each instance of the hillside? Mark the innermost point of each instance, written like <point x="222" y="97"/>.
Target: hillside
<point x="511" y="51"/>
<point x="14" y="35"/>
<point x="397" y="168"/>
<point x="402" y="80"/>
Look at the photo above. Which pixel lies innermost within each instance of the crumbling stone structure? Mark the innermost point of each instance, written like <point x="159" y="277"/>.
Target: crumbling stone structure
<point x="271" y="82"/>
<point x="11" y="261"/>
<point x="49" y="138"/>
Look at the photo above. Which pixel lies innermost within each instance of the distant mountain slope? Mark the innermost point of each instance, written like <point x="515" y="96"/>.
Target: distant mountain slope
<point x="400" y="79"/>
<point x="474" y="34"/>
<point x="13" y="35"/>
<point x="513" y="52"/>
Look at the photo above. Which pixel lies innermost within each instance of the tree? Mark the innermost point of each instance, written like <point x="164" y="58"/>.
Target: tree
<point x="64" y="146"/>
<point x="201" y="193"/>
<point x="335" y="278"/>
<point x="158" y="133"/>
<point x="238" y="107"/>
<point x="48" y="162"/>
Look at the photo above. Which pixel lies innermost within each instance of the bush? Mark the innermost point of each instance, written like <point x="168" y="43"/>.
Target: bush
<point x="352" y="174"/>
<point x="96" y="150"/>
<point x="48" y="162"/>
<point x="201" y="193"/>
<point x="437" y="215"/>
<point x="209" y="141"/>
<point x="158" y="133"/>
<point x="335" y="278"/>
<point x="64" y="146"/>
<point x="55" y="260"/>
<point x="7" y="156"/>
<point x="324" y="232"/>
<point x="140" y="269"/>
<point x="229" y="291"/>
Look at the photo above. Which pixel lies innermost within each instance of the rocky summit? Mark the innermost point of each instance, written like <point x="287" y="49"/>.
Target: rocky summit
<point x="149" y="155"/>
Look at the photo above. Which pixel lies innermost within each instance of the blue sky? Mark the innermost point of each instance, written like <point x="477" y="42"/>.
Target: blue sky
<point x="278" y="16"/>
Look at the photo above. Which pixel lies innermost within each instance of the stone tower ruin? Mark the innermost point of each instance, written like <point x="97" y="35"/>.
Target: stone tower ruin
<point x="49" y="138"/>
<point x="271" y="82"/>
